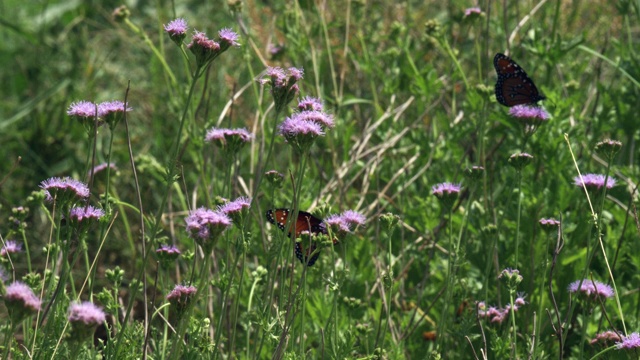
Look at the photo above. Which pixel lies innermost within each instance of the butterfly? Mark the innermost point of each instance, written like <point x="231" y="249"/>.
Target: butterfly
<point x="304" y="223"/>
<point x="514" y="87"/>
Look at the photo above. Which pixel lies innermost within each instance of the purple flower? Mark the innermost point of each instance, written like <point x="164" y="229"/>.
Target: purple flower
<point x="594" y="181"/>
<point x="205" y="49"/>
<point x="629" y="342"/>
<point x="446" y="193"/>
<point x="445" y="188"/>
<point x="338" y="223"/>
<point x="472" y="10"/>
<point x="323" y="119"/>
<point x="180" y="297"/>
<point x="205" y="225"/>
<point x="511" y="276"/>
<point x="605" y="337"/>
<point x="21" y="301"/>
<point x="353" y="217"/>
<point x="293" y="126"/>
<point x="549" y="222"/>
<point x="591" y="289"/>
<point x="231" y="140"/>
<point x="283" y="85"/>
<point x="236" y="209"/>
<point x="167" y="254"/>
<point x="519" y="301"/>
<point x="235" y="206"/>
<point x="86" y="313"/>
<point x="10" y="247"/>
<point x="64" y="188"/>
<point x="228" y="38"/>
<point x="309" y="103"/>
<point x="295" y="74"/>
<point x="168" y="249"/>
<point x="177" y="30"/>
<point x="110" y="108"/>
<point x="529" y="113"/>
<point x="83" y="109"/>
<point x="80" y="214"/>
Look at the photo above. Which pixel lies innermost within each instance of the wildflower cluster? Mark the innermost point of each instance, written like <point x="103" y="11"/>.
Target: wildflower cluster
<point x="181" y="298"/>
<point x="237" y="209"/>
<point x="303" y="127"/>
<point x="283" y="85"/>
<point x="591" y="289"/>
<point x="64" y="190"/>
<point x="594" y="182"/>
<point x="498" y="315"/>
<point x="84" y="319"/>
<point x="346" y="222"/>
<point x="108" y="112"/>
<point x="447" y="193"/>
<point x="206" y="50"/>
<point x="230" y="140"/>
<point x="205" y="226"/>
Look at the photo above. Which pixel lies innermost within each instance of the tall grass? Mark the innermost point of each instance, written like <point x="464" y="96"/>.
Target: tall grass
<point x="410" y="89"/>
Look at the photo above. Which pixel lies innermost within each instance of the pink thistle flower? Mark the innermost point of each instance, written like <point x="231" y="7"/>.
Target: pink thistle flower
<point x="181" y="297"/>
<point x="82" y="109"/>
<point x="594" y="181"/>
<point x="309" y="103"/>
<point x="591" y="288"/>
<point x="21" y="301"/>
<point x="64" y="189"/>
<point x="86" y="313"/>
<point x="228" y="38"/>
<point x="629" y="342"/>
<point x="10" y="247"/>
<point x="177" y="30"/>
<point x="529" y="113"/>
<point x="205" y="225"/>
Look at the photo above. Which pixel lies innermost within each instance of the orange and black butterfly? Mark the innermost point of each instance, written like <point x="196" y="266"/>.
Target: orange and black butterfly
<point x="514" y="87"/>
<point x="304" y="223"/>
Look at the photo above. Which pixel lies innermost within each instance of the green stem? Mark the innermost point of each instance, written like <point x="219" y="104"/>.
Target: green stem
<point x="519" y="215"/>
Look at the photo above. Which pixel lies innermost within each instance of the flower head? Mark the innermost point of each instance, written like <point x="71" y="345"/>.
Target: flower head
<point x="82" y="109"/>
<point x="10" y="247"/>
<point x="205" y="49"/>
<point x="228" y="38"/>
<point x="21" y="301"/>
<point x="64" y="189"/>
<point x="85" y="216"/>
<point x="300" y="132"/>
<point x="446" y="192"/>
<point x="528" y="113"/>
<point x="283" y="85"/>
<point x="205" y="225"/>
<point x="112" y="111"/>
<point x="167" y="254"/>
<point x="472" y="11"/>
<point x="86" y="313"/>
<point x="309" y="103"/>
<point x="591" y="288"/>
<point x="231" y="140"/>
<point x="180" y="298"/>
<point x="629" y="342"/>
<point x="549" y="224"/>
<point x="608" y="148"/>
<point x="323" y="119"/>
<point x="236" y="209"/>
<point x="594" y="181"/>
<point x="511" y="276"/>
<point x="520" y="160"/>
<point x="177" y="30"/>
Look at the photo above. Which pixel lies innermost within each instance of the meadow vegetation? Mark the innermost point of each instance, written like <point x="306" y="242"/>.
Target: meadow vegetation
<point x="154" y="153"/>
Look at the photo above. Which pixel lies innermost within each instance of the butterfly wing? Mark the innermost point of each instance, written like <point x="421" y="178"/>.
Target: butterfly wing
<point x="513" y="87"/>
<point x="304" y="222"/>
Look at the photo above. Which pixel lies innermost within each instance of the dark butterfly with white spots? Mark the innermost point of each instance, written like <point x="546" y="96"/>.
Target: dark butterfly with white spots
<point x="514" y="87"/>
<point x="304" y="223"/>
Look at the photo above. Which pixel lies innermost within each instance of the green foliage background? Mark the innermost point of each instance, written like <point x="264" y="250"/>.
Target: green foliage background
<point x="413" y="108"/>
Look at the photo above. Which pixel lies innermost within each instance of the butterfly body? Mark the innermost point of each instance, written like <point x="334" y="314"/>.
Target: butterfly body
<point x="514" y="87"/>
<point x="304" y="223"/>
